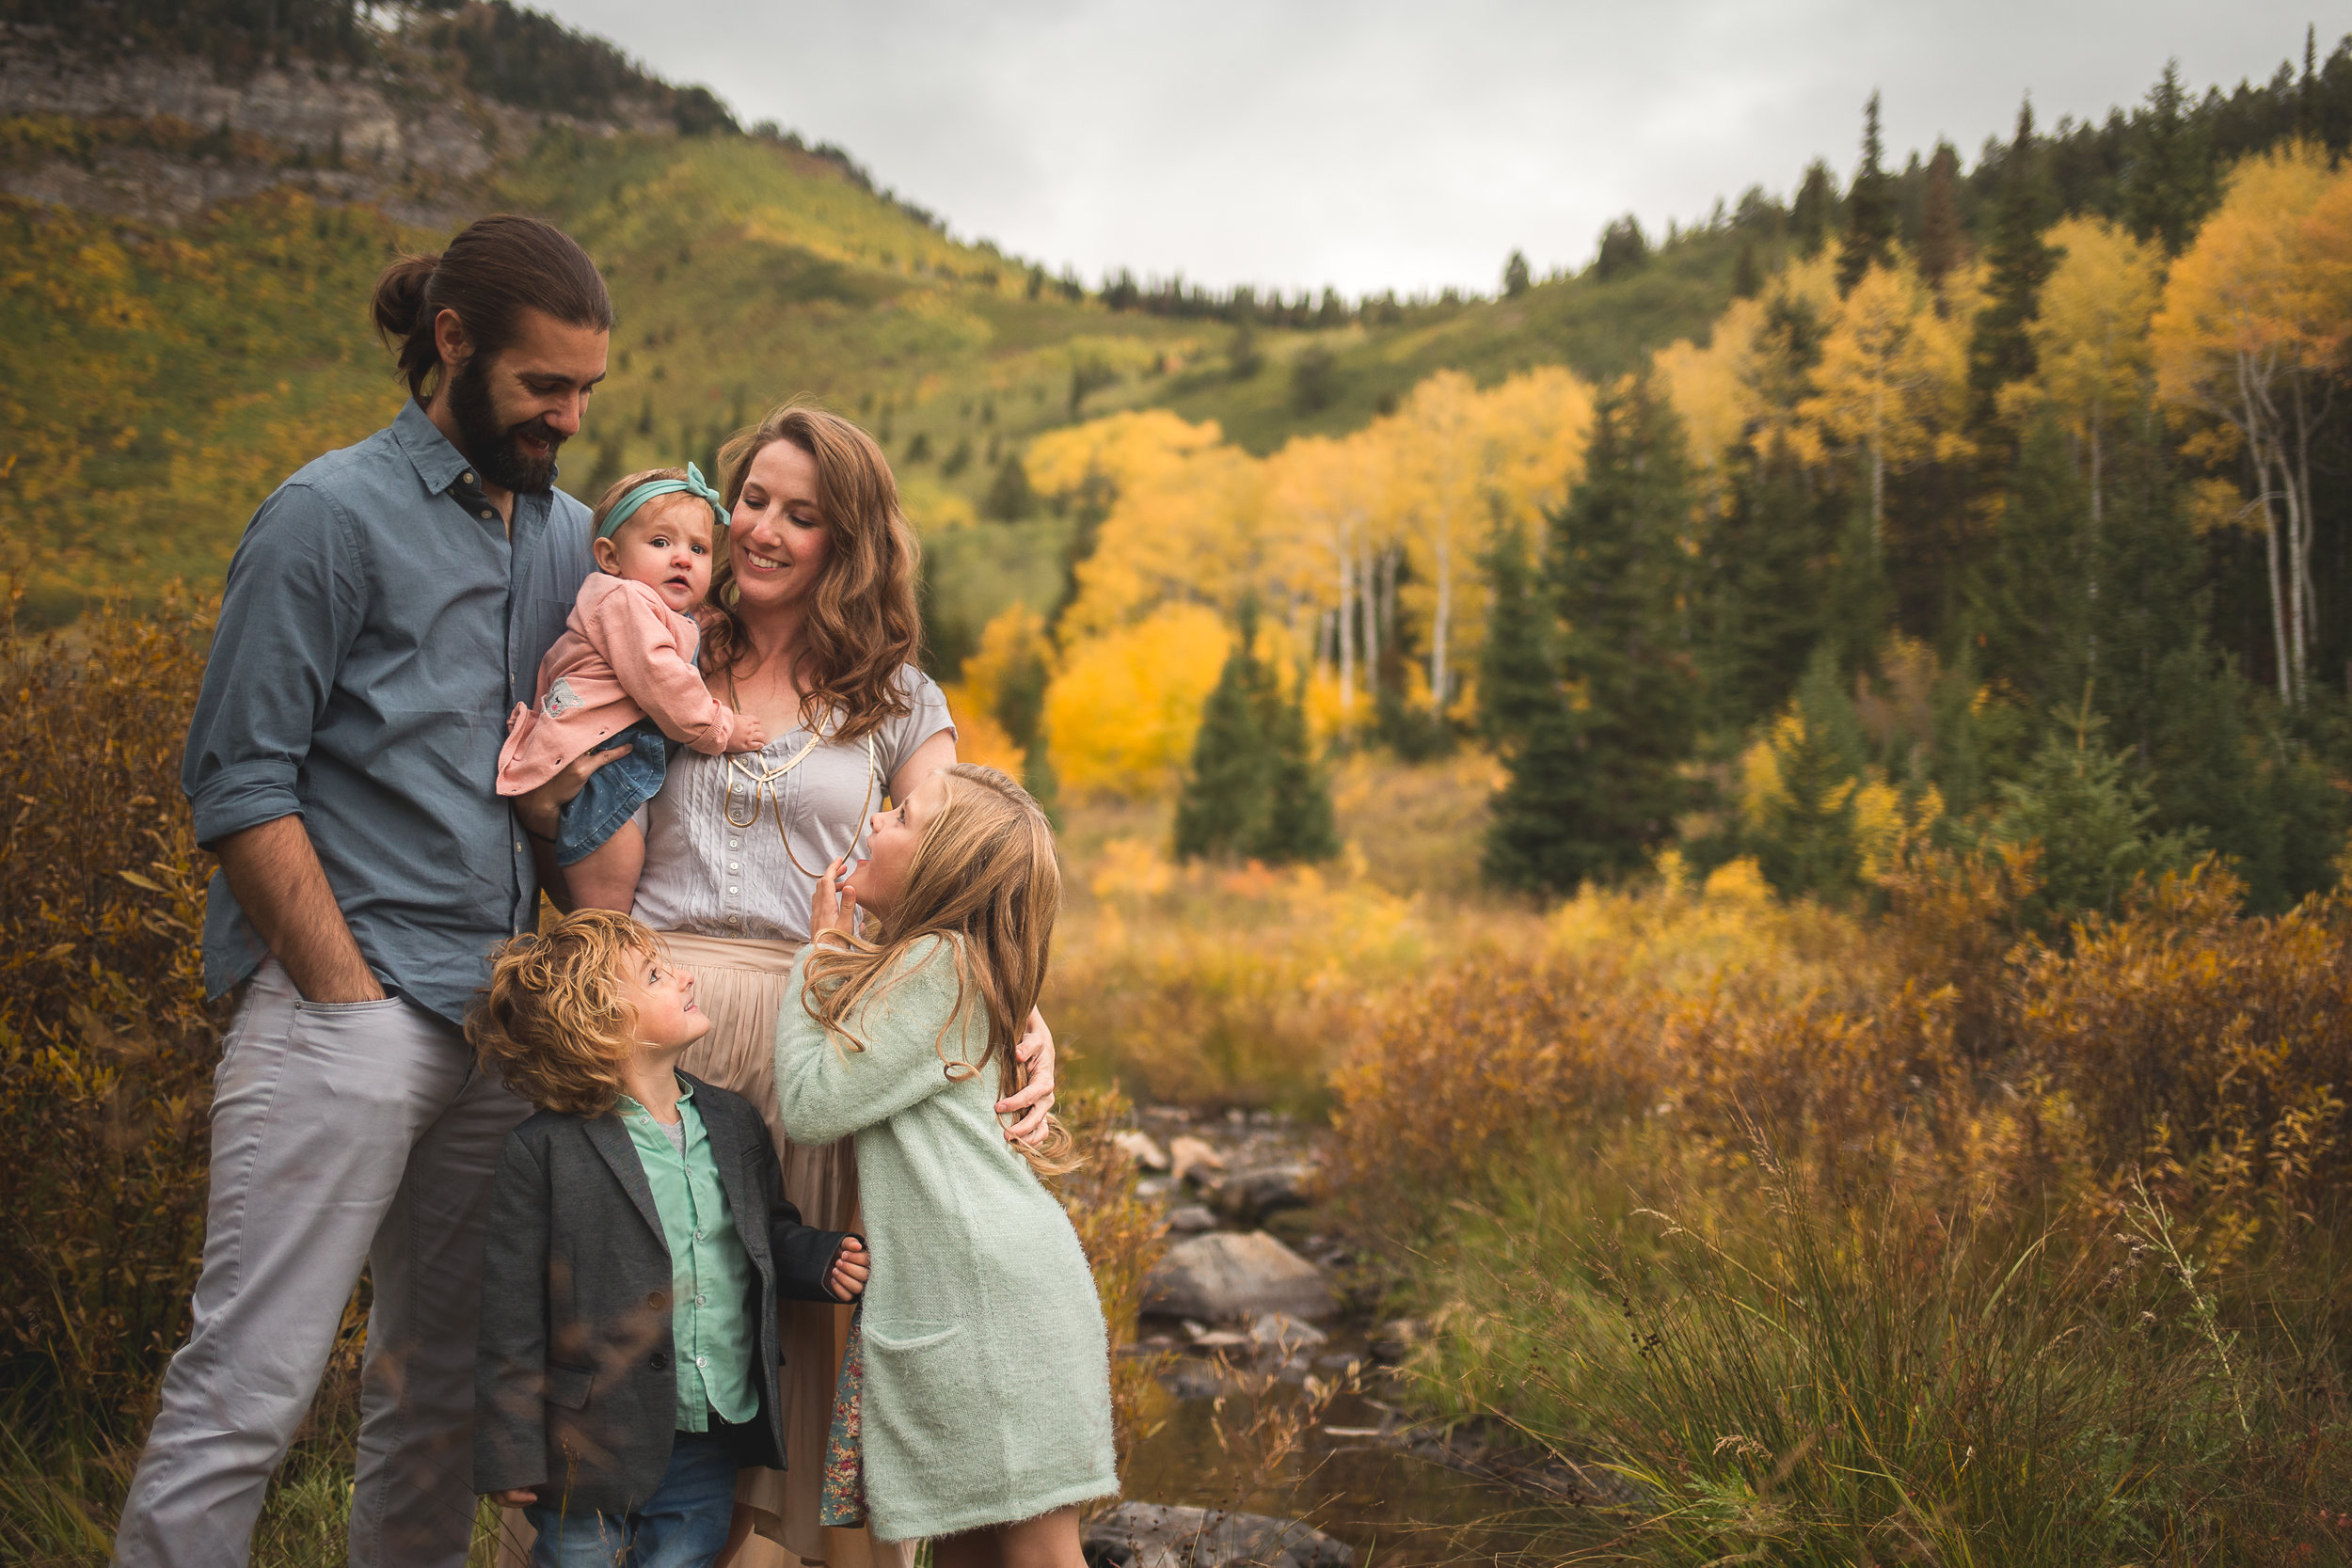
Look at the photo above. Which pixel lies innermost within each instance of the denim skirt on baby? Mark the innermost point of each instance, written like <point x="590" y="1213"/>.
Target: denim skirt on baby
<point x="614" y="793"/>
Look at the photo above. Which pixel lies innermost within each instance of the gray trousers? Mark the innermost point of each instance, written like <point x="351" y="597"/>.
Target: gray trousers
<point x="341" y="1135"/>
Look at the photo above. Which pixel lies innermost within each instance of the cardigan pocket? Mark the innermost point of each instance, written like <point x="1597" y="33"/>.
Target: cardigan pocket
<point x="900" y="1339"/>
<point x="568" y="1386"/>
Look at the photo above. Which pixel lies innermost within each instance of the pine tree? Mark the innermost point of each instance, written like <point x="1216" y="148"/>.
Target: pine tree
<point x="1254" y="789"/>
<point x="2031" y="601"/>
<point x="2001" y="351"/>
<point x="1519" y="674"/>
<point x="1768" y="553"/>
<point x="1224" y="807"/>
<point x="1939" y="218"/>
<point x="2169" y="183"/>
<point x="1299" y="825"/>
<point x="1747" y="273"/>
<point x="1616" y="563"/>
<point x="2092" y="820"/>
<point x="1871" y="212"/>
<point x="1524" y="716"/>
<point x="1010" y="499"/>
<point x="1805" y="842"/>
<point x="1809" y="216"/>
<point x="1515" y="276"/>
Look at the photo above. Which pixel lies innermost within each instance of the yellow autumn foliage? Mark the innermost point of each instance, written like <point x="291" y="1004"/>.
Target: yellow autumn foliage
<point x="1123" y="706"/>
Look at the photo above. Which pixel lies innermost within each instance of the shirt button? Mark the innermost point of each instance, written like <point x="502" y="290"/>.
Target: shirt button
<point x="734" y="844"/>
<point x="488" y="513"/>
<point x="519" y="846"/>
<point x="731" y="865"/>
<point x="466" y="478"/>
<point x="702" y="1301"/>
<point x="698" y="1235"/>
<point x="702" y="1361"/>
<point x="730" y="890"/>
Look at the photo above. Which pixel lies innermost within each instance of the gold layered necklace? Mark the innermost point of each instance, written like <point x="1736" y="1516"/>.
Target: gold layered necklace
<point x="764" y="786"/>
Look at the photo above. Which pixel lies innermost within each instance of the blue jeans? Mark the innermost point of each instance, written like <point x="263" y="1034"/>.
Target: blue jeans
<point x="614" y="792"/>
<point x="681" y="1525"/>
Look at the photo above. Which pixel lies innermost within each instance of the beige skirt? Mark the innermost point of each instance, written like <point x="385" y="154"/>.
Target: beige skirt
<point x="740" y="983"/>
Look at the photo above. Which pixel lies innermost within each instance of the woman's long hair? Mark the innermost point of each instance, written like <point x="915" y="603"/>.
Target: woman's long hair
<point x="984" y="879"/>
<point x="861" y="625"/>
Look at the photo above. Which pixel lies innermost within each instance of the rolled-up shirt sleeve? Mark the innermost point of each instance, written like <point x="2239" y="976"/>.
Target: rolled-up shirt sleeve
<point x="288" y="616"/>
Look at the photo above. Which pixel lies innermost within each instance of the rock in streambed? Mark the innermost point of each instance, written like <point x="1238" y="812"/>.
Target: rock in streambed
<point x="1226" y="1275"/>
<point x="1155" y="1535"/>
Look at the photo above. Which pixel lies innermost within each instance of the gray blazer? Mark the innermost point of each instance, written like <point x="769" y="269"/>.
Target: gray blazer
<point x="574" y="1392"/>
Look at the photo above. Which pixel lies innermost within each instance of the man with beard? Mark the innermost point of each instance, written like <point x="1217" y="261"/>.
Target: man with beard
<point x="386" y="610"/>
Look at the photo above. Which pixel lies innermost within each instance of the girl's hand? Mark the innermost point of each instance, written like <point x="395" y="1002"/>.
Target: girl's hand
<point x="1034" y="1050"/>
<point x="538" y="810"/>
<point x="515" y="1497"/>
<point x="850" y="1265"/>
<point x="832" y="906"/>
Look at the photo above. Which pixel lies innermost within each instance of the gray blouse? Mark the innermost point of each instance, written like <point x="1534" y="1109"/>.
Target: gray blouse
<point x="721" y="837"/>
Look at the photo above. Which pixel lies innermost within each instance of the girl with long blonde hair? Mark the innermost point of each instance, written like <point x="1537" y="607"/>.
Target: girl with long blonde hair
<point x="977" y="1387"/>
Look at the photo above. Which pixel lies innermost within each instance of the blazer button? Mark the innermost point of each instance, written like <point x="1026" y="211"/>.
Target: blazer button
<point x="656" y="1299"/>
<point x="660" y="1361"/>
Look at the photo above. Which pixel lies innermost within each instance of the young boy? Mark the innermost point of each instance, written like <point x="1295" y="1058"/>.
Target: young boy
<point x="639" y="1239"/>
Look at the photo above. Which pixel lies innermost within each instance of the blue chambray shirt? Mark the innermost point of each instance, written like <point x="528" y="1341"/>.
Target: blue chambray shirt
<point x="377" y="628"/>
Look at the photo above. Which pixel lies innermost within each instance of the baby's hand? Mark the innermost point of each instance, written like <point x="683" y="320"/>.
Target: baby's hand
<point x="850" y="1265"/>
<point x="749" y="734"/>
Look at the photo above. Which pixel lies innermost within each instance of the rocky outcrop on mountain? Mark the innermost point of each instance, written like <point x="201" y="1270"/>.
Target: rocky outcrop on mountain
<point x="155" y="138"/>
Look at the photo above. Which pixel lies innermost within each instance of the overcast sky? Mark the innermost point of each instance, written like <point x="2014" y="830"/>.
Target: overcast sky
<point x="1392" y="145"/>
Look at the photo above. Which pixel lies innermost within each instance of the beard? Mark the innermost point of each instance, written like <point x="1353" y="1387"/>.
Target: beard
<point x="496" y="450"/>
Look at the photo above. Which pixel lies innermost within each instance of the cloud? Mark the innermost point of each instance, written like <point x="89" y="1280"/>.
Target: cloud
<point x="1384" y="145"/>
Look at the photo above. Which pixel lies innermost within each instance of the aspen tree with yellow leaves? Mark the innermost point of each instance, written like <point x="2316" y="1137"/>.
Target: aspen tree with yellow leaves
<point x="1891" y="386"/>
<point x="2092" y="335"/>
<point x="2253" y="323"/>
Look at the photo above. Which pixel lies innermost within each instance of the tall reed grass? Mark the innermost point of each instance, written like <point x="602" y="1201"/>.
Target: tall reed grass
<point x="1912" y="1240"/>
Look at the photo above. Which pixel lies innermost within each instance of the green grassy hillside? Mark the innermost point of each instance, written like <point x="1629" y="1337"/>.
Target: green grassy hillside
<point x="155" y="385"/>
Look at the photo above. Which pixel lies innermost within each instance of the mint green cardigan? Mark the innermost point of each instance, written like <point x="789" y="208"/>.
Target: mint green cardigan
<point x="987" y="1393"/>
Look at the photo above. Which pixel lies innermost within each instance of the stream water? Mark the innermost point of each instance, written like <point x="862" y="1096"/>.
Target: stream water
<point x="1350" y="1462"/>
<point x="1346" y="1473"/>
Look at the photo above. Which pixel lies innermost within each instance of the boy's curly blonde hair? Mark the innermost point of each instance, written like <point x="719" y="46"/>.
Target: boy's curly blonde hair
<point x="552" y="1022"/>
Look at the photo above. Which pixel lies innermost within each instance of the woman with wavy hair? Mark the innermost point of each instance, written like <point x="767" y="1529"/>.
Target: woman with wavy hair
<point x="815" y="634"/>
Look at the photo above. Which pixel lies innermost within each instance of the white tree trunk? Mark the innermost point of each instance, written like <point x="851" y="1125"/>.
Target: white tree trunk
<point x="1444" y="617"/>
<point x="1346" y="629"/>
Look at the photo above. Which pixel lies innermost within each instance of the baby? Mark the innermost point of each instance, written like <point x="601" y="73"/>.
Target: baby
<point x="623" y="674"/>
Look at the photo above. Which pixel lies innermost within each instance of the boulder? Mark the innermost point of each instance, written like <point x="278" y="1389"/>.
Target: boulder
<point x="1188" y="1155"/>
<point x="1191" y="1219"/>
<point x="1258" y="1190"/>
<point x="1283" y="1334"/>
<point x="1140" y="1147"/>
<point x="1156" y="1535"/>
<point x="1229" y="1275"/>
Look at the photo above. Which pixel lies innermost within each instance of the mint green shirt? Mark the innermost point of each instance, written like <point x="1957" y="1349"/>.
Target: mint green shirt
<point x="711" y="1289"/>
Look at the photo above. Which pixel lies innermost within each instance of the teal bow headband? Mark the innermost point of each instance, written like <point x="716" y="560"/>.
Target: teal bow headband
<point x="693" y="484"/>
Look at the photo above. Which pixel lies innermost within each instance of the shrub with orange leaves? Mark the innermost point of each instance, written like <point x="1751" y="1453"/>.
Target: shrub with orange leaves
<point x="106" y="1047"/>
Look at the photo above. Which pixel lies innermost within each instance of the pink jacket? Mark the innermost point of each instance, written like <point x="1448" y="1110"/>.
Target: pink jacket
<point x="624" y="655"/>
